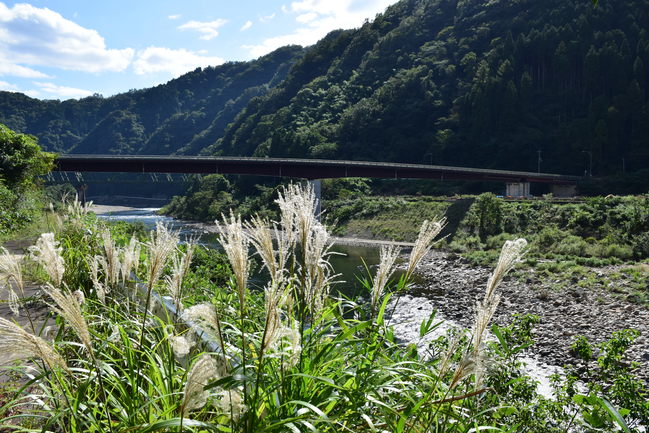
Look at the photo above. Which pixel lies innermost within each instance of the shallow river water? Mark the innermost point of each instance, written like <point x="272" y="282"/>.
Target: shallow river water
<point x="350" y="261"/>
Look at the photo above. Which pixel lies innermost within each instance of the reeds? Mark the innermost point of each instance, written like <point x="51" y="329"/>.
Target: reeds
<point x="11" y="277"/>
<point x="326" y="366"/>
<point x="235" y="242"/>
<point x="68" y="307"/>
<point x="473" y="361"/>
<point x="47" y="253"/>
<point x="18" y="344"/>
<point x="427" y="234"/>
<point x="202" y="372"/>
<point x="387" y="258"/>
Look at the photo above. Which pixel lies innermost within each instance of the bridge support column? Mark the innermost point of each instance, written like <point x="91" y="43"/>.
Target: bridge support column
<point x="316" y="184"/>
<point x="518" y="189"/>
<point x="564" y="190"/>
<point x="81" y="193"/>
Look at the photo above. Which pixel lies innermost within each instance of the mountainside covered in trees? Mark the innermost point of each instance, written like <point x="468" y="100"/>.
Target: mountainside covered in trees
<point x="470" y="83"/>
<point x="463" y="82"/>
<point x="183" y="115"/>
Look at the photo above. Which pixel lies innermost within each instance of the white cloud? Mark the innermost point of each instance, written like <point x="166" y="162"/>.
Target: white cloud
<point x="32" y="93"/>
<point x="41" y="37"/>
<point x="174" y="17"/>
<point x="306" y="18"/>
<point x="246" y="26"/>
<point x="316" y="18"/>
<point x="266" y="18"/>
<point x="208" y="29"/>
<point x="9" y="68"/>
<point x="60" y="92"/>
<point x="175" y="62"/>
<point x="8" y="86"/>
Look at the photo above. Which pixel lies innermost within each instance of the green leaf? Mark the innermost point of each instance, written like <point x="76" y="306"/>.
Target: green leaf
<point x="173" y="422"/>
<point x="614" y="413"/>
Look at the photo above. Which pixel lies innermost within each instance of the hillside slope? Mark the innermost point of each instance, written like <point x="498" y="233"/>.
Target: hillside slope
<point x="495" y="84"/>
<point x="174" y="117"/>
<point x="475" y="83"/>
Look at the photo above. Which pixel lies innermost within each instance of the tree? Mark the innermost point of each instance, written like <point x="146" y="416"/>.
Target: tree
<point x="21" y="160"/>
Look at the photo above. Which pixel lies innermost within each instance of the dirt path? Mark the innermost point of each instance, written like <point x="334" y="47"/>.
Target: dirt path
<point x="31" y="298"/>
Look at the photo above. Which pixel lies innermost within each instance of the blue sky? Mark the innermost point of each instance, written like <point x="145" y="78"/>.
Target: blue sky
<point x="61" y="49"/>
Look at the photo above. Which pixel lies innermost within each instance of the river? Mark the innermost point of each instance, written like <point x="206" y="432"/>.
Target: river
<point x="350" y="261"/>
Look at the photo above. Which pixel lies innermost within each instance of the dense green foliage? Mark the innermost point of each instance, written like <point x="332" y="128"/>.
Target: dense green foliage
<point x="21" y="162"/>
<point x="615" y="228"/>
<point x="184" y="115"/>
<point x="469" y="83"/>
<point x="282" y="363"/>
<point x="460" y="82"/>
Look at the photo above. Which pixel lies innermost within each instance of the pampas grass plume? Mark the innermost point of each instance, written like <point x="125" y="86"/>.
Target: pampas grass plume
<point x="202" y="372"/>
<point x="427" y="233"/>
<point x="16" y="344"/>
<point x="388" y="256"/>
<point x="68" y="307"/>
<point x="47" y="253"/>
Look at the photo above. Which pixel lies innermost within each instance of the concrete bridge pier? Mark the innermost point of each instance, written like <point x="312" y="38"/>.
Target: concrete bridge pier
<point x="564" y="190"/>
<point x="81" y="193"/>
<point x="517" y="189"/>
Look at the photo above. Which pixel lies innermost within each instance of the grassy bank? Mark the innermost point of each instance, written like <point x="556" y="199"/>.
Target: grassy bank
<point x="289" y="357"/>
<point x="596" y="242"/>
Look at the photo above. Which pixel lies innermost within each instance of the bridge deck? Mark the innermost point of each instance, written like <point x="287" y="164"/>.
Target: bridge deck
<point x="298" y="168"/>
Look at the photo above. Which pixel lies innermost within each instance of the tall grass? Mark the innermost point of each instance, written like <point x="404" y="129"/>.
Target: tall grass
<point x="288" y="356"/>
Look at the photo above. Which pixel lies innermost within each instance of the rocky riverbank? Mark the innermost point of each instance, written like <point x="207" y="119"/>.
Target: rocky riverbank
<point x="452" y="286"/>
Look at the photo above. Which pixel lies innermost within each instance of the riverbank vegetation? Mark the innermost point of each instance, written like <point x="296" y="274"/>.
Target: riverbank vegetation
<point x="22" y="163"/>
<point x="287" y="356"/>
<point x="492" y="85"/>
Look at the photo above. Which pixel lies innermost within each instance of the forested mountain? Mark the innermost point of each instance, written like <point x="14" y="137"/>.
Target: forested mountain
<point x="183" y="115"/>
<point x="468" y="82"/>
<point x="463" y="82"/>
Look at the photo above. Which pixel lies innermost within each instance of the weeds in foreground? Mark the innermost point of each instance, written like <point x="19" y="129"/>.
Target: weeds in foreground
<point x="287" y="357"/>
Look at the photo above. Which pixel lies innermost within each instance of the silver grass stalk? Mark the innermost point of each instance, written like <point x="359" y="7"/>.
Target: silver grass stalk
<point x="11" y="276"/>
<point x="473" y="361"/>
<point x="100" y="290"/>
<point x="275" y="298"/>
<point x="11" y="270"/>
<point x="111" y="262"/>
<point x="297" y="206"/>
<point x="131" y="259"/>
<point x="14" y="302"/>
<point x="203" y="371"/>
<point x="317" y="270"/>
<point x="510" y="254"/>
<point x="234" y="241"/>
<point x="68" y="307"/>
<point x="47" y="253"/>
<point x="162" y="242"/>
<point x="181" y="345"/>
<point x="17" y="344"/>
<point x="264" y="236"/>
<point x="76" y="210"/>
<point x="290" y="338"/>
<point x="388" y="256"/>
<point x="206" y="317"/>
<point x="427" y="233"/>
<point x="179" y="268"/>
<point x="231" y="403"/>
